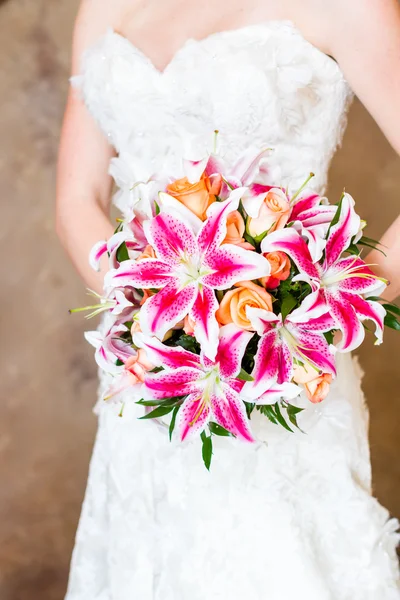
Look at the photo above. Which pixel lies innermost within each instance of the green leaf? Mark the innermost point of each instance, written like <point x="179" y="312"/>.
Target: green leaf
<point x="259" y="238"/>
<point x="370" y="244"/>
<point x="249" y="238"/>
<point x="207" y="449"/>
<point x="337" y="214"/>
<point x="119" y="362"/>
<point x="244" y="376"/>
<point x="122" y="253"/>
<point x="292" y="412"/>
<point x="118" y="228"/>
<point x="167" y="402"/>
<point x="289" y="302"/>
<point x="158" y="412"/>
<point x="188" y="342"/>
<point x="157" y="208"/>
<point x="281" y="419"/>
<point x="269" y="412"/>
<point x="353" y="249"/>
<point x="392" y="308"/>
<point x="375" y="298"/>
<point x="392" y="322"/>
<point x="329" y="336"/>
<point x="218" y="430"/>
<point x="249" y="408"/>
<point x="173" y="421"/>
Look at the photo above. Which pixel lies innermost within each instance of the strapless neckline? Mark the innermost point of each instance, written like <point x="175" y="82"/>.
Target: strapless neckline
<point x="216" y="35"/>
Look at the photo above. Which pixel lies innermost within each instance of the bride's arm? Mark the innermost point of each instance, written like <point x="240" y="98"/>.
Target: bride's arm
<point x="83" y="185"/>
<point x="366" y="43"/>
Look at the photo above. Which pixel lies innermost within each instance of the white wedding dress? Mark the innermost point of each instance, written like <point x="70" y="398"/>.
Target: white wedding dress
<point x="291" y="516"/>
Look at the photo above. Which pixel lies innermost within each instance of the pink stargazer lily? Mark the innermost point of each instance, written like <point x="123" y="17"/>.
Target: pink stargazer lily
<point x="110" y="347"/>
<point x="211" y="387"/>
<point x="187" y="270"/>
<point x="308" y="213"/>
<point x="111" y="247"/>
<point x="342" y="281"/>
<point x="298" y="337"/>
<point x="311" y="218"/>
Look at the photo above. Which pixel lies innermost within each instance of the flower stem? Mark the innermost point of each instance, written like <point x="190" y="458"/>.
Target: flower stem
<point x="303" y="185"/>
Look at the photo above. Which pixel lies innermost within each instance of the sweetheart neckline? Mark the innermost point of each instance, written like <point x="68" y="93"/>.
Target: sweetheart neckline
<point x="277" y="23"/>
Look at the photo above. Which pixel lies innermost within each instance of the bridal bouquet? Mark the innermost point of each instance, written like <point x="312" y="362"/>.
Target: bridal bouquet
<point x="228" y="295"/>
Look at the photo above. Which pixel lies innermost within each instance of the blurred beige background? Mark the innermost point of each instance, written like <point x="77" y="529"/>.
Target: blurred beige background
<point x="47" y="370"/>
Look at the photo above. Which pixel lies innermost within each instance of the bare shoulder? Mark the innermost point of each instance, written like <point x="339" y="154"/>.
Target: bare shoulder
<point x="334" y="25"/>
<point x="94" y="18"/>
<point x="356" y="26"/>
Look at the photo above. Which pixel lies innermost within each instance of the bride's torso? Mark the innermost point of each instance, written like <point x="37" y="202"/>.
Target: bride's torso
<point x="261" y="85"/>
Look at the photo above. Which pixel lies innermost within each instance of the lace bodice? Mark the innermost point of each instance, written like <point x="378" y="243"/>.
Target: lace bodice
<point x="261" y="85"/>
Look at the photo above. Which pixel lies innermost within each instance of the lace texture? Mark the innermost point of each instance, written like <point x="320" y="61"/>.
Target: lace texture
<point x="291" y="516"/>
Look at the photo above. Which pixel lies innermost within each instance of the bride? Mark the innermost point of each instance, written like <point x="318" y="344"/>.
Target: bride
<point x="291" y="516"/>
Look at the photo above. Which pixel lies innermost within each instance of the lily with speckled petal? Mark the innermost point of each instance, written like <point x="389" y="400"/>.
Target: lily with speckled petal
<point x="342" y="281"/>
<point x="297" y="338"/>
<point x="211" y="387"/>
<point x="187" y="270"/>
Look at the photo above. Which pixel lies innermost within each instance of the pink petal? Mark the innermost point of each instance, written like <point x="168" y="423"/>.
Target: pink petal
<point x="167" y="356"/>
<point x="321" y="215"/>
<point x="285" y="363"/>
<point x="315" y="238"/>
<point x="194" y="169"/>
<point x="229" y="411"/>
<point x="304" y="203"/>
<point x="266" y="365"/>
<point x="122" y="382"/>
<point x="146" y="273"/>
<point x="263" y="320"/>
<point x="323" y="323"/>
<point x="193" y="416"/>
<point x="114" y="243"/>
<point x="289" y="241"/>
<point x="368" y="310"/>
<point x="340" y="234"/>
<point x="285" y="391"/>
<point x="96" y="254"/>
<point x="231" y="349"/>
<point x="168" y="384"/>
<point x="213" y="232"/>
<point x="346" y="320"/>
<point x="215" y="165"/>
<point x="314" y="305"/>
<point x="170" y="237"/>
<point x="360" y="279"/>
<point x="170" y="205"/>
<point x="165" y="309"/>
<point x="231" y="264"/>
<point x="136" y="226"/>
<point x="206" y="327"/>
<point x="248" y="165"/>
<point x="314" y="348"/>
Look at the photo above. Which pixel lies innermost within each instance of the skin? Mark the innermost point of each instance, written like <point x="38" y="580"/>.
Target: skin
<point x="362" y="35"/>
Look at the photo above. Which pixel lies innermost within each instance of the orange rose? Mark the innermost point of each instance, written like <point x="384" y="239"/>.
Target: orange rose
<point x="235" y="302"/>
<point x="234" y="231"/>
<point x="188" y="325"/>
<point x="148" y="252"/>
<point x="146" y="294"/>
<point x="316" y="385"/>
<point x="273" y="214"/>
<point x="198" y="196"/>
<point x="138" y="365"/>
<point x="280" y="269"/>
